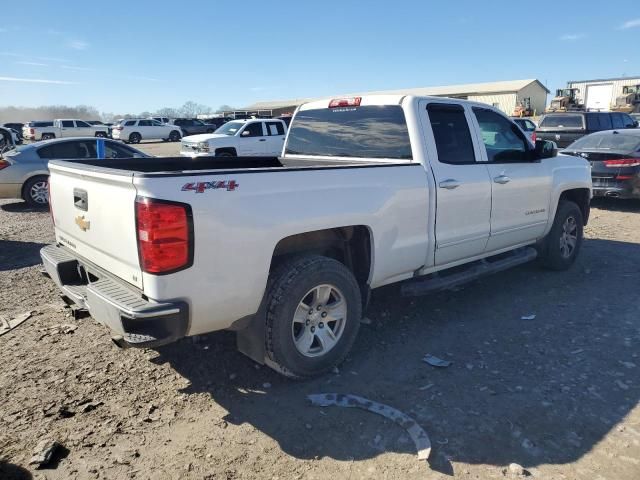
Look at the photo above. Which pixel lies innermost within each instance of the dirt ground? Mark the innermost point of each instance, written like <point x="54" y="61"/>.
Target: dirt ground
<point x="557" y="394"/>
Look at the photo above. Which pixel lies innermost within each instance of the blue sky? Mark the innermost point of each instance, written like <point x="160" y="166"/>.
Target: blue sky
<point x="131" y="56"/>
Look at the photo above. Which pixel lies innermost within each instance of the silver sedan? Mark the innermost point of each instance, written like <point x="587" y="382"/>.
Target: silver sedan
<point x="24" y="173"/>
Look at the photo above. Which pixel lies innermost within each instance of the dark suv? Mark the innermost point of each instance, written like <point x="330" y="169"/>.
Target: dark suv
<point x="565" y="128"/>
<point x="193" y="126"/>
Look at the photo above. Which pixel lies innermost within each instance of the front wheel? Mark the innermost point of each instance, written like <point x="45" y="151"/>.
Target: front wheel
<point x="561" y="246"/>
<point x="36" y="191"/>
<point x="313" y="315"/>
<point x="101" y="135"/>
<point x="174" y="136"/>
<point x="135" y="138"/>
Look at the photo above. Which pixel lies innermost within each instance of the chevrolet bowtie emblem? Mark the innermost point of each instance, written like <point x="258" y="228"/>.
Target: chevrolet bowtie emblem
<point x="82" y="223"/>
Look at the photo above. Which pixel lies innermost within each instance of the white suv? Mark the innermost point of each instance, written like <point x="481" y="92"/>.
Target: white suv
<point x="136" y="130"/>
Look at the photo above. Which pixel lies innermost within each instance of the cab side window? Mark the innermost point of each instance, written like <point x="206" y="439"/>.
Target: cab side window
<point x="144" y="123"/>
<point x="68" y="123"/>
<point x="503" y="141"/>
<point x="616" y="120"/>
<point x="275" y="128"/>
<point x="254" y="129"/>
<point x="451" y="134"/>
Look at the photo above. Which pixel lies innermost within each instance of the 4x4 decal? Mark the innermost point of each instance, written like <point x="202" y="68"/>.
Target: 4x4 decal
<point x="200" y="187"/>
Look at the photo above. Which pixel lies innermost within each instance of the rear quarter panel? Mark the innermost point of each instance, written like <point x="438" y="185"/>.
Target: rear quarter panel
<point x="236" y="232"/>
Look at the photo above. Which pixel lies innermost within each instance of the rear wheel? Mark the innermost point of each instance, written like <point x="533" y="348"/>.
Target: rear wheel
<point x="174" y="136"/>
<point x="135" y="138"/>
<point x="224" y="154"/>
<point x="101" y="134"/>
<point x="48" y="136"/>
<point x="562" y="244"/>
<point x="36" y="191"/>
<point x="313" y="315"/>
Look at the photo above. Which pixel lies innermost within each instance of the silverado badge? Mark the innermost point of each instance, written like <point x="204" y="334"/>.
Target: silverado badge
<point x="82" y="223"/>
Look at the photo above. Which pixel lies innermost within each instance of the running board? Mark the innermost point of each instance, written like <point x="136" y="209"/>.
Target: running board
<point x="487" y="266"/>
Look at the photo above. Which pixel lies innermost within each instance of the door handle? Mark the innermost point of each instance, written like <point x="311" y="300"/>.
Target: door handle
<point x="449" y="184"/>
<point x="502" y="179"/>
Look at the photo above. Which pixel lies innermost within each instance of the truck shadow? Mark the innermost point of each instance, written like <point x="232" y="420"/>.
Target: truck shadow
<point x="604" y="203"/>
<point x="9" y="471"/>
<point x="14" y="254"/>
<point x="540" y="391"/>
<point x="22" y="206"/>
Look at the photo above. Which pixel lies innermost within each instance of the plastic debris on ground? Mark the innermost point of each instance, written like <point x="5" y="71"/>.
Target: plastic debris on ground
<point x="528" y="317"/>
<point x="435" y="361"/>
<point x="8" y="325"/>
<point x="415" y="431"/>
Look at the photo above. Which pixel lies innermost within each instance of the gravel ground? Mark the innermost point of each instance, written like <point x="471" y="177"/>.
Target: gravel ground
<point x="557" y="394"/>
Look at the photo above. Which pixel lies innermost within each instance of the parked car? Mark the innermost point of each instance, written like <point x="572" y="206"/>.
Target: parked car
<point x="7" y="139"/>
<point x="23" y="169"/>
<point x="63" y="127"/>
<point x="238" y="138"/>
<point x="98" y="122"/>
<point x="216" y="122"/>
<point x="136" y="130"/>
<point x="527" y="126"/>
<point x="192" y="126"/>
<point x="16" y="127"/>
<point x="286" y="250"/>
<point x="565" y="128"/>
<point x="29" y="129"/>
<point x="614" y="156"/>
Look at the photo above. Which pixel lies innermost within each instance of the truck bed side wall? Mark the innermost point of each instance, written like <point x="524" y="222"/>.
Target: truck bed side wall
<point x="237" y="231"/>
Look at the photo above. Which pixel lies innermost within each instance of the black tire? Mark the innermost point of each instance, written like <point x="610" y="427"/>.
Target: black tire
<point x="554" y="252"/>
<point x="291" y="286"/>
<point x="48" y="136"/>
<point x="33" y="194"/>
<point x="209" y="130"/>
<point x="135" y="138"/>
<point x="174" y="136"/>
<point x="101" y="134"/>
<point x="224" y="154"/>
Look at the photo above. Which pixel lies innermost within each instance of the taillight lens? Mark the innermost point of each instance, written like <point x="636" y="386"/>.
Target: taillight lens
<point x="622" y="163"/>
<point x="534" y="137"/>
<point x="165" y="235"/>
<point x="32" y="131"/>
<point x="4" y="164"/>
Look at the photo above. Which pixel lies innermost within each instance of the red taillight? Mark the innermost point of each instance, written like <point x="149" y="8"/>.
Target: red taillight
<point x="624" y="177"/>
<point x="622" y="163"/>
<point x="32" y="131"/>
<point x="345" y="102"/>
<point x="534" y="137"/>
<point x="165" y="235"/>
<point x="4" y="164"/>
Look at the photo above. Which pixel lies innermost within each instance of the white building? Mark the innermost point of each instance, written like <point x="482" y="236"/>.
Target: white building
<point x="601" y="94"/>
<point x="504" y="95"/>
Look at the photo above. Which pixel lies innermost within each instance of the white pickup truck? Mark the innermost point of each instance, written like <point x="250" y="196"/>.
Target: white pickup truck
<point x="238" y="138"/>
<point x="369" y="191"/>
<point x="63" y="127"/>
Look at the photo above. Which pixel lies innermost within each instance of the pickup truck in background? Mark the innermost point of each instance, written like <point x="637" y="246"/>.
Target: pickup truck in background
<point x="368" y="191"/>
<point x="238" y="138"/>
<point x="61" y="128"/>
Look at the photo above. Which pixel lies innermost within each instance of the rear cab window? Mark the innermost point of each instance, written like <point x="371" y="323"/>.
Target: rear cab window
<point x="371" y="131"/>
<point x="451" y="134"/>
<point x="275" y="128"/>
<point x="562" y="121"/>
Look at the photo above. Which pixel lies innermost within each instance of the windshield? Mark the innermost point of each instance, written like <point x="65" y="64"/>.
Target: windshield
<point x="618" y="141"/>
<point x="230" y="128"/>
<point x="374" y="131"/>
<point x="563" y="121"/>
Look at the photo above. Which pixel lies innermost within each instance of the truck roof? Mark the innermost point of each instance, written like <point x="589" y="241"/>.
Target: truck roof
<point x="395" y="99"/>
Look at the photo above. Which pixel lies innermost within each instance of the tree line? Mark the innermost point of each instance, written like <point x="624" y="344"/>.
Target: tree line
<point x="86" y="112"/>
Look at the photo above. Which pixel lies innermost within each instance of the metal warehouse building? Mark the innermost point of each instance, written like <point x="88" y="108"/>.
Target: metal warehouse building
<point x="601" y="94"/>
<point x="504" y="95"/>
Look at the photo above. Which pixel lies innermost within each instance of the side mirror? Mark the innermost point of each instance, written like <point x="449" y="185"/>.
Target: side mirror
<point x="246" y="133"/>
<point x="546" y="149"/>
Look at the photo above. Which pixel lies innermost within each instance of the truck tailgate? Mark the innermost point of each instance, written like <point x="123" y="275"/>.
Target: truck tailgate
<point x="94" y="215"/>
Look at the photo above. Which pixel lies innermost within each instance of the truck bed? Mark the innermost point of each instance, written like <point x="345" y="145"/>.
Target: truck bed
<point x="170" y="166"/>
